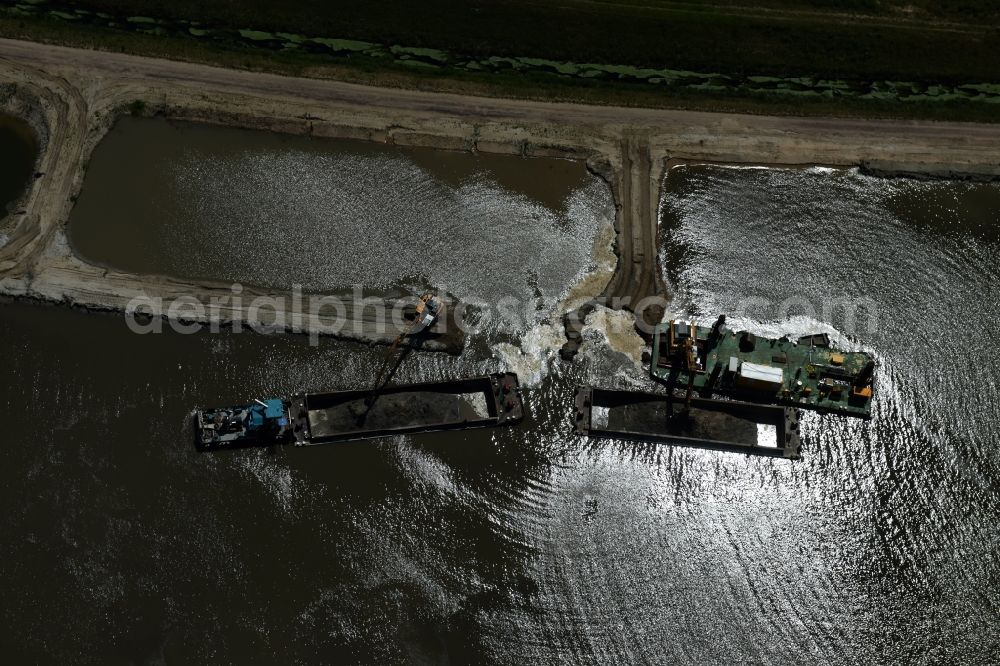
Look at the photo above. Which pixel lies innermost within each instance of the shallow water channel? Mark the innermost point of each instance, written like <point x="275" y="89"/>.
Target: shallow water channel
<point x="19" y="149"/>
<point x="256" y="207"/>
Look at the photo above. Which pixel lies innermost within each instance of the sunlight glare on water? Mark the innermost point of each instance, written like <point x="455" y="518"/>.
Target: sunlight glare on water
<point x="530" y="544"/>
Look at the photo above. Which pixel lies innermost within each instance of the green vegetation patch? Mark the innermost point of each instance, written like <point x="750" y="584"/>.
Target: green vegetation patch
<point x="257" y="35"/>
<point x="567" y="68"/>
<point x="420" y="64"/>
<point x="431" y="54"/>
<point x="714" y="49"/>
<point x="289" y="37"/>
<point x="344" y="44"/>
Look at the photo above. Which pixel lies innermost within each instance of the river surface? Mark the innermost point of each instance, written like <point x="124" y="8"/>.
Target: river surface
<point x="19" y="149"/>
<point x="530" y="545"/>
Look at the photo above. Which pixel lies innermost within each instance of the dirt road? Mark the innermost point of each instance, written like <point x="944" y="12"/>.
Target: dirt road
<point x="202" y="77"/>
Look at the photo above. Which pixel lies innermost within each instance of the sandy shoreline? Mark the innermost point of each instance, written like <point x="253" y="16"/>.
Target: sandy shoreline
<point x="75" y="96"/>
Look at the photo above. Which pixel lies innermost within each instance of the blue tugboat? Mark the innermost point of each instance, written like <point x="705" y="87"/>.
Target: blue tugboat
<point x="260" y="423"/>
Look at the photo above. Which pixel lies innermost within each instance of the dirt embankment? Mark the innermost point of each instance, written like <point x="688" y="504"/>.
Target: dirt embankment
<point x="16" y="100"/>
<point x="77" y="95"/>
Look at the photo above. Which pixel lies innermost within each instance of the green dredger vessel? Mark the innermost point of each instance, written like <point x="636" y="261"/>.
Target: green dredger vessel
<point x="805" y="373"/>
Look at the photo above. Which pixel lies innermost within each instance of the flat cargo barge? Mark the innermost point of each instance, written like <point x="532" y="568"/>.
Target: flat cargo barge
<point x="726" y="425"/>
<point x="340" y="416"/>
<point x="481" y="402"/>
<point x="805" y="373"/>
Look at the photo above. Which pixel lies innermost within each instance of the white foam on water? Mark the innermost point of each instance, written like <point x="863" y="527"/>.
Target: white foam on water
<point x="823" y="171"/>
<point x="616" y="329"/>
<point x="591" y="282"/>
<point x="532" y="358"/>
<point x="540" y="344"/>
<point x="794" y="327"/>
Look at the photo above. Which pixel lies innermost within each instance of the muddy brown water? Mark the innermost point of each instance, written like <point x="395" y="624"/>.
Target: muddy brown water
<point x="123" y="544"/>
<point x="19" y="150"/>
<point x="263" y="208"/>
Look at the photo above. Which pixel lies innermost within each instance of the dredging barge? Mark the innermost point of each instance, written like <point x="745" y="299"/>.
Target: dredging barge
<point x="806" y="373"/>
<point x="340" y="416"/>
<point x="379" y="411"/>
<point x="761" y="384"/>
